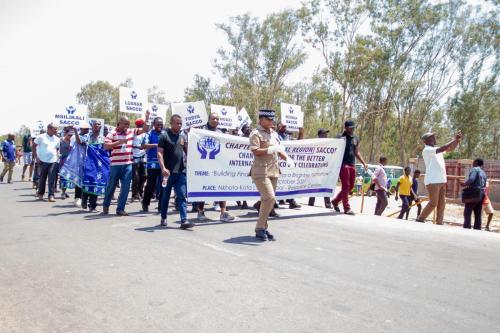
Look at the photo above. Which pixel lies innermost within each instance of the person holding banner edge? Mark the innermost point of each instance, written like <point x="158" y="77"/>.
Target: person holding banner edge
<point x="265" y="146"/>
<point x="348" y="169"/>
<point x="212" y="125"/>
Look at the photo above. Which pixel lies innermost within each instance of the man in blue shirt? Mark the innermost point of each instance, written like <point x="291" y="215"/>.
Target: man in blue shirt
<point x="9" y="157"/>
<point x="477" y="180"/>
<point x="150" y="143"/>
<point x="414" y="187"/>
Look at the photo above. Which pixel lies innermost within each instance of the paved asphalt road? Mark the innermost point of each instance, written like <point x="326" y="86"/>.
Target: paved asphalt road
<point x="65" y="270"/>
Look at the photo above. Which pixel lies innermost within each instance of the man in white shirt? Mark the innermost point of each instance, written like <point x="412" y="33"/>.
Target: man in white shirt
<point x="46" y="151"/>
<point x="435" y="175"/>
<point x="380" y="180"/>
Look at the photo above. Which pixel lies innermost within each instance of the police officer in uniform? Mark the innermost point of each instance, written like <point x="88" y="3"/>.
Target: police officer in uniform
<point x="265" y="171"/>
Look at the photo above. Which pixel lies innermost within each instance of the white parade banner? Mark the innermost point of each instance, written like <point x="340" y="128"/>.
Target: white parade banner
<point x="292" y="116"/>
<point x="132" y="100"/>
<point x="193" y="114"/>
<point x="157" y="110"/>
<point x="244" y="118"/>
<point x="218" y="167"/>
<point x="75" y="115"/>
<point x="228" y="118"/>
<point x="37" y="128"/>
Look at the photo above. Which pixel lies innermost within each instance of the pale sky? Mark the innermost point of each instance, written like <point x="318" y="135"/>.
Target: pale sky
<point x="49" y="49"/>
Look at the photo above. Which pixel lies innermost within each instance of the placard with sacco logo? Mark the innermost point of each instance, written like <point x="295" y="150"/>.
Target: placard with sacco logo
<point x="193" y="114"/>
<point x="75" y="115"/>
<point x="157" y="110"/>
<point x="228" y="117"/>
<point x="292" y="116"/>
<point x="37" y="128"/>
<point x="243" y="118"/>
<point x="132" y="100"/>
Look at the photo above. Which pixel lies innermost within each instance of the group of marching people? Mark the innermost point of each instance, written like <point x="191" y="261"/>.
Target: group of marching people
<point x="152" y="161"/>
<point x="149" y="160"/>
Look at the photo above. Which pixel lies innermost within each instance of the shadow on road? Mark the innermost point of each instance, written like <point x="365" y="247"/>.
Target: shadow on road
<point x="243" y="240"/>
<point x="252" y="217"/>
<point x="155" y="228"/>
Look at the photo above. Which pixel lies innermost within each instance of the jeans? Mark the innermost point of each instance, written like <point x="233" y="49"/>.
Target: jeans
<point x="179" y="183"/>
<point x="153" y="175"/>
<point x="347" y="178"/>
<point x="36" y="173"/>
<point x="46" y="171"/>
<point x="419" y="208"/>
<point x="122" y="173"/>
<point x="138" y="178"/>
<point x="381" y="202"/>
<point x="477" y="208"/>
<point x="405" y="209"/>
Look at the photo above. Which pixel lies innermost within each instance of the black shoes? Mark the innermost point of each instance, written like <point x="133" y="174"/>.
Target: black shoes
<point x="294" y="205"/>
<point x="163" y="223"/>
<point x="264" y="235"/>
<point x="145" y="208"/>
<point x="270" y="236"/>
<point x="336" y="207"/>
<point x="261" y="235"/>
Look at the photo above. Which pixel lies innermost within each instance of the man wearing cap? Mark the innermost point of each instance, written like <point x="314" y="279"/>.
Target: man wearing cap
<point x="348" y="169"/>
<point x="322" y="134"/>
<point x="266" y="148"/>
<point x="435" y="175"/>
<point x="139" y="165"/>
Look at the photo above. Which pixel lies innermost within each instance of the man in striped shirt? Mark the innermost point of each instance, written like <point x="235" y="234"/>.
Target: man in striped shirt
<point x="119" y="142"/>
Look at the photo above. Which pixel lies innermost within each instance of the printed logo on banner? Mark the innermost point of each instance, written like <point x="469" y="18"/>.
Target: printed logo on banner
<point x="223" y="111"/>
<point x="190" y="109"/>
<point x="133" y="94"/>
<point x="208" y="146"/>
<point x="154" y="108"/>
<point x="240" y="118"/>
<point x="70" y="109"/>
<point x="291" y="110"/>
<point x="70" y="115"/>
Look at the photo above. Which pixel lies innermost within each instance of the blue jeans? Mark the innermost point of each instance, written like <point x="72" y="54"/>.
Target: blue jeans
<point x="178" y="182"/>
<point x="124" y="174"/>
